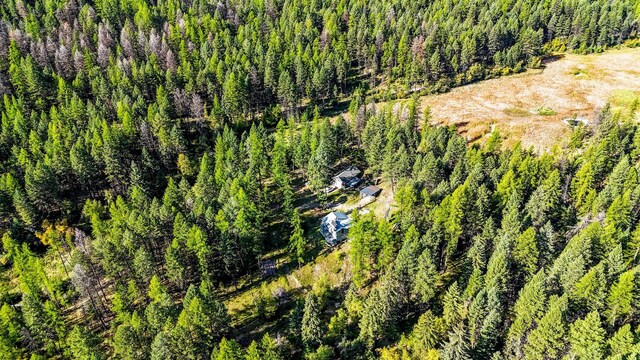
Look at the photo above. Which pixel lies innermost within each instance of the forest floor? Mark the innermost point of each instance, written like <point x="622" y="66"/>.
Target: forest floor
<point x="532" y="107"/>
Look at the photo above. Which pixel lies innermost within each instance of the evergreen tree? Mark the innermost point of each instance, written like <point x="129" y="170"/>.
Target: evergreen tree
<point x="106" y="105"/>
<point x="297" y="242"/>
<point x="83" y="345"/>
<point x="525" y="253"/>
<point x="319" y="167"/>
<point x="161" y="347"/>
<point x="529" y="307"/>
<point x="10" y="332"/>
<point x="587" y="338"/>
<point x="311" y="330"/>
<point x="227" y="350"/>
<point x="456" y="347"/>
<point x="622" y="342"/>
<point x="425" y="334"/>
<point x="620" y="300"/>
<point x="549" y="336"/>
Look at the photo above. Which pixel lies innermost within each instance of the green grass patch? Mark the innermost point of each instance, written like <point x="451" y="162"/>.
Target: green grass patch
<point x="352" y="199"/>
<point x="632" y="43"/>
<point x="545" y="111"/>
<point x="624" y="98"/>
<point x="624" y="102"/>
<point x="330" y="268"/>
<point x="579" y="72"/>
<point x="516" y="112"/>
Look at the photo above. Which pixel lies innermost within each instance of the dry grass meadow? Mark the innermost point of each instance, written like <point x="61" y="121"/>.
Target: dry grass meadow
<point x="530" y="107"/>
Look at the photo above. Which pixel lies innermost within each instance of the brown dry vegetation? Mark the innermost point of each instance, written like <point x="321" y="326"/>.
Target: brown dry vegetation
<point x="522" y="106"/>
<point x="530" y="107"/>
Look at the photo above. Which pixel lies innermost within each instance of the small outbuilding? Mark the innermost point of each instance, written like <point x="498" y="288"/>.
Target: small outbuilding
<point x="371" y="190"/>
<point x="268" y="268"/>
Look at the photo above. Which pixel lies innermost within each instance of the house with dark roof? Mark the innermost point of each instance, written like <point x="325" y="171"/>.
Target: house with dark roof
<point x="335" y="227"/>
<point x="370" y="191"/>
<point x="347" y="179"/>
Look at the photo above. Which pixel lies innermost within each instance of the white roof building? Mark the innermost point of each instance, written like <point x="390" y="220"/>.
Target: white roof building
<point x="335" y="227"/>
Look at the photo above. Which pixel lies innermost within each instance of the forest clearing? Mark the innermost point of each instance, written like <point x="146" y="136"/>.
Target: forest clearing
<point x="531" y="106"/>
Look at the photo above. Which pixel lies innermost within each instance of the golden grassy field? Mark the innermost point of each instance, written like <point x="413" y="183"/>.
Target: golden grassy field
<point x="530" y="107"/>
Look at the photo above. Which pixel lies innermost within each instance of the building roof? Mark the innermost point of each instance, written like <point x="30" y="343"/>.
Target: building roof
<point x="268" y="268"/>
<point x="349" y="173"/>
<point x="333" y="223"/>
<point x="370" y="191"/>
<point x="337" y="219"/>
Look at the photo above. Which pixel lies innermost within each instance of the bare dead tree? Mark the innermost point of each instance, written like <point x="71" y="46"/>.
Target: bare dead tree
<point x="155" y="43"/>
<point x="38" y="52"/>
<point x="82" y="243"/>
<point x="172" y="63"/>
<point x="78" y="60"/>
<point x="91" y="13"/>
<point x="52" y="46"/>
<point x="124" y="65"/>
<point x="22" y="10"/>
<point x="103" y="55"/>
<point x="68" y="12"/>
<point x="146" y="136"/>
<point x="4" y="41"/>
<point x="360" y="122"/>
<point x="28" y="340"/>
<point x="86" y="286"/>
<point x="142" y="42"/>
<point x="126" y="44"/>
<point x="105" y="37"/>
<point x="271" y="9"/>
<point x="19" y="38"/>
<point x="182" y="102"/>
<point x="197" y="106"/>
<point x="105" y="44"/>
<point x="83" y="38"/>
<point x="165" y="29"/>
<point x="64" y="61"/>
<point x="324" y="38"/>
<point x="162" y="54"/>
<point x="417" y="48"/>
<point x="180" y="21"/>
<point x="4" y="84"/>
<point x="65" y="34"/>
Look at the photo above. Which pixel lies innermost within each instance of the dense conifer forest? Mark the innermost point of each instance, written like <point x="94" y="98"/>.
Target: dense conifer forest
<point x="155" y="154"/>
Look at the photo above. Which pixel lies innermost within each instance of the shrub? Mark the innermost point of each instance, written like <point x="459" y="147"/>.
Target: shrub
<point x="545" y="111"/>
